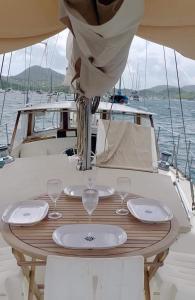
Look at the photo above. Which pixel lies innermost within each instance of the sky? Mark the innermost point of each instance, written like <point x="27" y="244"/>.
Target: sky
<point x="137" y="74"/>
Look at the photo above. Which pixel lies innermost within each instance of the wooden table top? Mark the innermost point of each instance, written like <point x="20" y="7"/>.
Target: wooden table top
<point x="143" y="239"/>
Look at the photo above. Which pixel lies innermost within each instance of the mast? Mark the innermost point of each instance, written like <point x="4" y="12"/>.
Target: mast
<point x="51" y="82"/>
<point x="84" y="117"/>
<point x="119" y="89"/>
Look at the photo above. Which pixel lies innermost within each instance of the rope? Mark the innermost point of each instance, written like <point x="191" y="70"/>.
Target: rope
<point x="168" y="94"/>
<point x="4" y="95"/>
<point x="81" y="128"/>
<point x="95" y="104"/>
<point x="181" y="106"/>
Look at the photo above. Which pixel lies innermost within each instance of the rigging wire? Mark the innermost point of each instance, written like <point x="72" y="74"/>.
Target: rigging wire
<point x="181" y="106"/>
<point x="123" y="85"/>
<point x="51" y="62"/>
<point x="54" y="51"/>
<point x="137" y="77"/>
<point x="28" y="84"/>
<point x="25" y="75"/>
<point x="145" y="73"/>
<point x="2" y="64"/>
<point x="5" y="91"/>
<point x="130" y="74"/>
<point x="168" y="94"/>
<point x="44" y="52"/>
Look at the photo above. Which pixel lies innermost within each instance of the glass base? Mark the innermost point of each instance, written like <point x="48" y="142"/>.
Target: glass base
<point x="122" y="211"/>
<point x="54" y="215"/>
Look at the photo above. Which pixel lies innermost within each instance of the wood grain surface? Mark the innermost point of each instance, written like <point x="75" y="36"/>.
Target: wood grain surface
<point x="143" y="239"/>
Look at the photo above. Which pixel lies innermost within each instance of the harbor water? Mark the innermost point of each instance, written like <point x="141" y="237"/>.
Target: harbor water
<point x="16" y="99"/>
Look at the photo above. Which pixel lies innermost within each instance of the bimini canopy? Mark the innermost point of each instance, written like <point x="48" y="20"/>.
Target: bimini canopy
<point x="171" y="23"/>
<point x="102" y="32"/>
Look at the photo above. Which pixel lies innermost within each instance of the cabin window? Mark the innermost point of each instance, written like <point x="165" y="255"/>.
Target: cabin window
<point x="145" y="121"/>
<point x="123" y="117"/>
<point x="44" y="121"/>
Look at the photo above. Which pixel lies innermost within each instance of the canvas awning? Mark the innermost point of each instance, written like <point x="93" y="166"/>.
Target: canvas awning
<point x="23" y="23"/>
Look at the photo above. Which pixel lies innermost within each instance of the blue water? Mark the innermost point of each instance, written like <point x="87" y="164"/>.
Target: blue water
<point x="162" y="119"/>
<point x="15" y="100"/>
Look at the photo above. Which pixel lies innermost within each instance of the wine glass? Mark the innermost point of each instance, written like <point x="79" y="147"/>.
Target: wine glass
<point x="54" y="189"/>
<point x="91" y="177"/>
<point x="123" y="189"/>
<point x="90" y="199"/>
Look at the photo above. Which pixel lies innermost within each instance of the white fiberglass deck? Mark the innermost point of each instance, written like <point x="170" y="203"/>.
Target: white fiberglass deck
<point x="26" y="178"/>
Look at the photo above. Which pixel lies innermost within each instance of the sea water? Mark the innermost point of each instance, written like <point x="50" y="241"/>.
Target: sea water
<point x="15" y="100"/>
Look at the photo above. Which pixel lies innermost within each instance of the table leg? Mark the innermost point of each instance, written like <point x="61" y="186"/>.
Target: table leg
<point x="31" y="281"/>
<point x="150" y="268"/>
<point x="28" y="269"/>
<point x="158" y="262"/>
<point x="146" y="282"/>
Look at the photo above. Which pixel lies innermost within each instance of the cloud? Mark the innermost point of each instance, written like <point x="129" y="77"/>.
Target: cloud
<point x="52" y="53"/>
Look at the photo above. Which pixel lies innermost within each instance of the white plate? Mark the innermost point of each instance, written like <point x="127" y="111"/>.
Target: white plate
<point x="149" y="210"/>
<point x="89" y="236"/>
<point x="26" y="212"/>
<point x="77" y="190"/>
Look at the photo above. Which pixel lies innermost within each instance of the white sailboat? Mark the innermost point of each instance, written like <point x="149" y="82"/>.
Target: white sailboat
<point x="98" y="51"/>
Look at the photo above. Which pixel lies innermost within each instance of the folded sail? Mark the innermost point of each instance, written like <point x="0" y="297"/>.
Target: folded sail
<point x="97" y="55"/>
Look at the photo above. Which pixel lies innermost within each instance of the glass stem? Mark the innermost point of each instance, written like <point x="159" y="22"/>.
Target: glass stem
<point x="89" y="219"/>
<point x="123" y="200"/>
<point x="89" y="233"/>
<point x="54" y="206"/>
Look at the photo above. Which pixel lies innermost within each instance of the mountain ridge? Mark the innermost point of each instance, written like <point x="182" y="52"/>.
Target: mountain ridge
<point x="47" y="79"/>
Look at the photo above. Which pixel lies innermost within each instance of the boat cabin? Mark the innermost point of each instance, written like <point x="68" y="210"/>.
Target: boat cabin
<point x="51" y="128"/>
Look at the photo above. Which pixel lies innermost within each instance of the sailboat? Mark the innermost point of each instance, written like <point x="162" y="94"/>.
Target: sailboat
<point x="119" y="98"/>
<point x="97" y="51"/>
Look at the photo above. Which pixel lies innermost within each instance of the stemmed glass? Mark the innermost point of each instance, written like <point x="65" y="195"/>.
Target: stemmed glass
<point x="90" y="198"/>
<point x="91" y="177"/>
<point x="54" y="189"/>
<point x="123" y="189"/>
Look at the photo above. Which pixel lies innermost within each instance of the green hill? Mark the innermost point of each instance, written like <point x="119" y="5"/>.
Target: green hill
<point x="45" y="79"/>
<point x="37" y="78"/>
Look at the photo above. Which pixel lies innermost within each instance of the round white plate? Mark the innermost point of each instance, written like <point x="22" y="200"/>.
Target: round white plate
<point x="89" y="236"/>
<point x="149" y="210"/>
<point x="77" y="190"/>
<point x="27" y="212"/>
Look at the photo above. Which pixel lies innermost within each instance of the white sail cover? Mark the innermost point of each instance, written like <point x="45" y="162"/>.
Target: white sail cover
<point x="124" y="145"/>
<point x="97" y="55"/>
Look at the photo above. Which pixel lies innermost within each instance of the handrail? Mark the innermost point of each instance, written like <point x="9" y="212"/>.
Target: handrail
<point x="186" y="170"/>
<point x="6" y="131"/>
